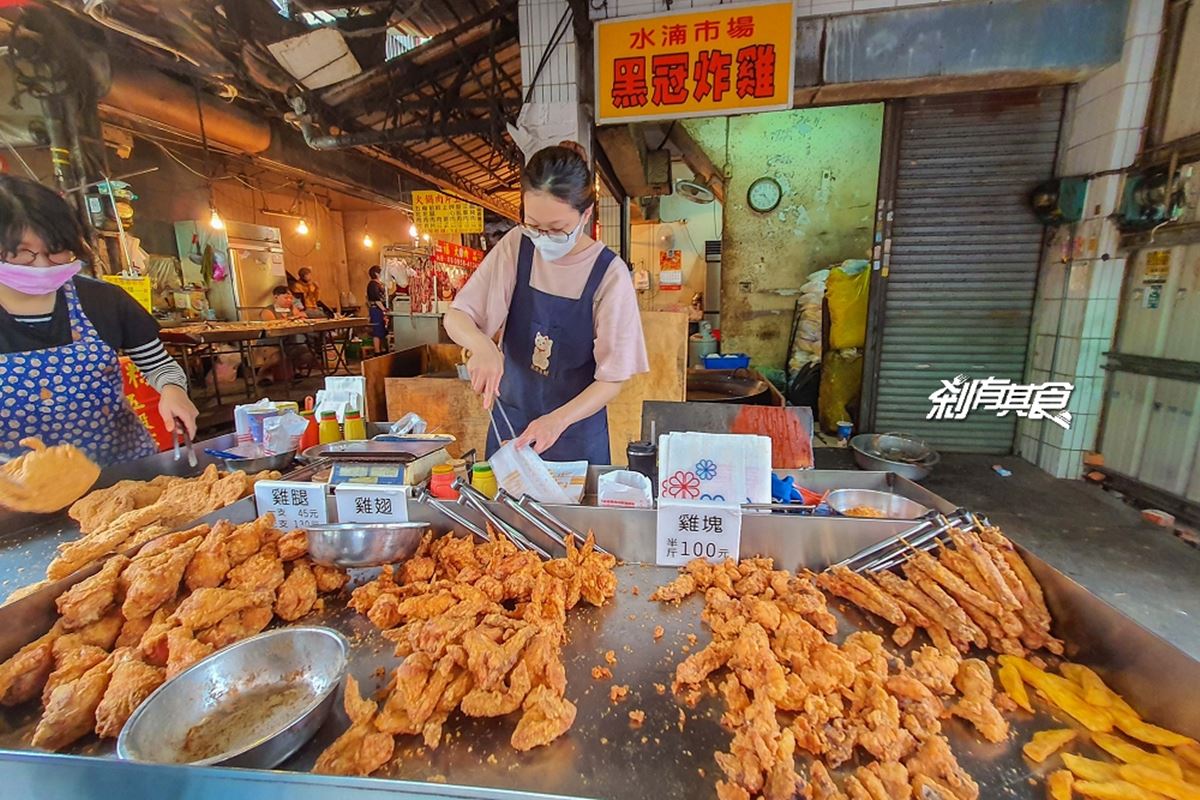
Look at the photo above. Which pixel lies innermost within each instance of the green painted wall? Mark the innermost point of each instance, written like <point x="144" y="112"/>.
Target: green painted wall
<point x="827" y="161"/>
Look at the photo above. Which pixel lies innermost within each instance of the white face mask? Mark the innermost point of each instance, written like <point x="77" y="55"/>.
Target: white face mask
<point x="553" y="251"/>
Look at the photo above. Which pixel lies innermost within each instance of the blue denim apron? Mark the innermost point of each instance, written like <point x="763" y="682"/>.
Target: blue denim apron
<point x="72" y="394"/>
<point x="549" y="358"/>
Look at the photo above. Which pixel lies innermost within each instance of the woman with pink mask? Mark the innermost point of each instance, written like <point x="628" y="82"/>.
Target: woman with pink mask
<point x="60" y="335"/>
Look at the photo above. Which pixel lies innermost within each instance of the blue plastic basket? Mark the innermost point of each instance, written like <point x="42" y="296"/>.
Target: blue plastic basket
<point x="726" y="361"/>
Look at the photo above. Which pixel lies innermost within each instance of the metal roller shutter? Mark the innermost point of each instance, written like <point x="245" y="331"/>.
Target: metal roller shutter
<point x="965" y="249"/>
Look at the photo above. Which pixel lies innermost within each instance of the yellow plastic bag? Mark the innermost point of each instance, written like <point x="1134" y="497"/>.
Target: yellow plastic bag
<point x="841" y="385"/>
<point x="847" y="290"/>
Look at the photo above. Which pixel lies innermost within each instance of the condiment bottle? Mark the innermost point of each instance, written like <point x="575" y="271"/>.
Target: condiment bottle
<point x="643" y="458"/>
<point x="329" y="430"/>
<point x="483" y="479"/>
<point x="355" y="428"/>
<point x="441" y="482"/>
<point x="311" y="435"/>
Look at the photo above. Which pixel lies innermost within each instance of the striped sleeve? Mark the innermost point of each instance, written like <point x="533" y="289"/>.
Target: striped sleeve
<point x="157" y="366"/>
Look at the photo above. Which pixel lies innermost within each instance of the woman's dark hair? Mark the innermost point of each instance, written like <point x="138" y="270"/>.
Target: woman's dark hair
<point x="29" y="206"/>
<point x="374" y="272"/>
<point x="280" y="290"/>
<point x="561" y="172"/>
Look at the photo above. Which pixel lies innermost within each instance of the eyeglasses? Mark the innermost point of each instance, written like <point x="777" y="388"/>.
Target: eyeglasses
<point x="558" y="237"/>
<point x="25" y="257"/>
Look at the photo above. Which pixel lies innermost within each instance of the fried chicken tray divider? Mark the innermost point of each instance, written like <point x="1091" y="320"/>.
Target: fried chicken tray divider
<point x="602" y="756"/>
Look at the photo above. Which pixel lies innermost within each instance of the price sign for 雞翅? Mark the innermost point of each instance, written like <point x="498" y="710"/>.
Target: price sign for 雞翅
<point x="294" y="504"/>
<point x="688" y="531"/>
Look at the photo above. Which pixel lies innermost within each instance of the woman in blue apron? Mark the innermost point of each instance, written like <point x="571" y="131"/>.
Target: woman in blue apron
<point x="60" y="333"/>
<point x="564" y="310"/>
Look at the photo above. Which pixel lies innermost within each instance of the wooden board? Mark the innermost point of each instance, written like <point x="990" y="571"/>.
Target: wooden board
<point x="666" y="347"/>
<point x="790" y="429"/>
<point x="447" y="404"/>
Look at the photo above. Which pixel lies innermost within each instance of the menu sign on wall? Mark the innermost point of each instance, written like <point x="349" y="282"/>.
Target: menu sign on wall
<point x="732" y="58"/>
<point x="434" y="212"/>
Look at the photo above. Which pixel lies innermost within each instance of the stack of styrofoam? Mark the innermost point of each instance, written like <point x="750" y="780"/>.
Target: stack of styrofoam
<point x="807" y="347"/>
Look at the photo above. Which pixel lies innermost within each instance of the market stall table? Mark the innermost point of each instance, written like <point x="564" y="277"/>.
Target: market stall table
<point x="603" y="755"/>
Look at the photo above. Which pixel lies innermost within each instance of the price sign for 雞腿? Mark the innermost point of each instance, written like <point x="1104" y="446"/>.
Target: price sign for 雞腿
<point x="294" y="504"/>
<point x="687" y="531"/>
<point x="371" y="503"/>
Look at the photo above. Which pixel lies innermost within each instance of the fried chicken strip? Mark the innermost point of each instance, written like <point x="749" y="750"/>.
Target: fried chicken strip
<point x="132" y="682"/>
<point x="71" y="711"/>
<point x="361" y="749"/>
<point x="863" y="593"/>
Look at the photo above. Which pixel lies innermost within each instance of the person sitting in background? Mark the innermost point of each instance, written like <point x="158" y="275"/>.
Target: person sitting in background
<point x="307" y="290"/>
<point x="284" y="305"/>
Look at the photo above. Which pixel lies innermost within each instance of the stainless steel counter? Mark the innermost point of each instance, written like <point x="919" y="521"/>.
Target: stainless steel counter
<point x="602" y="755"/>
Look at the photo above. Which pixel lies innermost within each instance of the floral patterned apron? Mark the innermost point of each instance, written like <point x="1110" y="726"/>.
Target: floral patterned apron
<point x="72" y="394"/>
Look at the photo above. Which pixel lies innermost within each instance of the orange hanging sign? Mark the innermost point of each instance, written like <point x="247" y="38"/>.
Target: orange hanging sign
<point x="143" y="399"/>
<point x="727" y="59"/>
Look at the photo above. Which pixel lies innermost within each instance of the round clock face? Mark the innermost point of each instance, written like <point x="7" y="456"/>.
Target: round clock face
<point x="764" y="195"/>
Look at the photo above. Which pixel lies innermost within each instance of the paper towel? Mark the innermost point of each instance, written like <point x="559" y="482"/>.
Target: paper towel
<point x="715" y="467"/>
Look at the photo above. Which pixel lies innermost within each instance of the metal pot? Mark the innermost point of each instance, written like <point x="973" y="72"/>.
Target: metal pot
<point x="725" y="386"/>
<point x="908" y="457"/>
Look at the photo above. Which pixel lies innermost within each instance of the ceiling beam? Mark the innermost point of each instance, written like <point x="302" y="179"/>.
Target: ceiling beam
<point x="419" y="58"/>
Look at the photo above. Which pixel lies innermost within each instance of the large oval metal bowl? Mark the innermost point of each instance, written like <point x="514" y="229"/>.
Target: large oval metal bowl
<point x="891" y="452"/>
<point x="890" y="506"/>
<point x="364" y="544"/>
<point x="251" y="704"/>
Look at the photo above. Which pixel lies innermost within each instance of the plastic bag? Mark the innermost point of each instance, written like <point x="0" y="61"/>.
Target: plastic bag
<point x="282" y="434"/>
<point x="520" y="471"/>
<point x="847" y="292"/>
<point x="409" y="423"/>
<point x="841" y="385"/>
<point x="624" y="488"/>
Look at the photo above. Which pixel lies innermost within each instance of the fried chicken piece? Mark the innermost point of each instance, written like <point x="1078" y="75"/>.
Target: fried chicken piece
<point x="25" y="591"/>
<point x="46" y="479"/>
<point x="71" y="710"/>
<point x="24" y="674"/>
<point x="102" y="633"/>
<point x="935" y="761"/>
<point x="502" y="700"/>
<point x="754" y="663"/>
<point x="863" y="593"/>
<point x="204" y="608"/>
<point x="261" y="571"/>
<point x="183" y="649"/>
<point x="547" y="716"/>
<point x="293" y="545"/>
<point x="935" y="668"/>
<point x="954" y="585"/>
<point x="330" y="579"/>
<point x="821" y="785"/>
<point x="361" y="749"/>
<point x="210" y="563"/>
<point x="1036" y="634"/>
<point x="100" y="507"/>
<point x="950" y="614"/>
<point x="699" y="665"/>
<point x="878" y="717"/>
<point x="974" y="681"/>
<point x="731" y="791"/>
<point x="488" y="660"/>
<point x="419" y="690"/>
<point x="70" y="663"/>
<point x="248" y="538"/>
<point x="941" y="624"/>
<point x="298" y="593"/>
<point x="892" y="776"/>
<point x="597" y="581"/>
<point x="152" y="580"/>
<point x="89" y="600"/>
<point x="926" y="788"/>
<point x="227" y="490"/>
<point x="676" y="590"/>
<point x="236" y="627"/>
<point x="153" y="644"/>
<point x="1007" y="622"/>
<point x="81" y="552"/>
<point x="132" y="682"/>
<point x="452" y="696"/>
<point x="972" y="547"/>
<point x="783" y="782"/>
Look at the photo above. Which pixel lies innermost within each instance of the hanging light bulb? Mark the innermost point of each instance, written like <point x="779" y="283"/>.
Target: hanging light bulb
<point x="412" y="232"/>
<point x="302" y="227"/>
<point x="427" y="237"/>
<point x="214" y="220"/>
<point x="368" y="241"/>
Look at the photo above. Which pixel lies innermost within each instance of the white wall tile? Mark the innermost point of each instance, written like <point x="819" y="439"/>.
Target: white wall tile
<point x="1043" y="352"/>
<point x="1080" y="281"/>
<point x="1072" y="318"/>
<point x="872" y="5"/>
<point x="1101" y="83"/>
<point x="824" y="7"/>
<point x="1071" y="464"/>
<point x="1050" y="286"/>
<point x="1047" y="314"/>
<point x="1066" y="358"/>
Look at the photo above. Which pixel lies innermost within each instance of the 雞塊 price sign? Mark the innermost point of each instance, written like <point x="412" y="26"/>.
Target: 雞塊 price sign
<point x="727" y="59"/>
<point x="686" y="531"/>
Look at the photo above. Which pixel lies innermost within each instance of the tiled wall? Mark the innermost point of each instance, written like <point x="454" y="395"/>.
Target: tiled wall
<point x="559" y="79"/>
<point x="1079" y="289"/>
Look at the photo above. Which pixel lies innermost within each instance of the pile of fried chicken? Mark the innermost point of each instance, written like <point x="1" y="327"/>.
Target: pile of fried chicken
<point x="481" y="629"/>
<point x="128" y="514"/>
<point x="788" y="687"/>
<point x="141" y="620"/>
<point x="980" y="593"/>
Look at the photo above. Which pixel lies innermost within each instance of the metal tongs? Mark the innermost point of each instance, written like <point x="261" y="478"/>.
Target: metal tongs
<point x="469" y="495"/>
<point x="423" y="496"/>
<point x="512" y="434"/>
<point x="925" y="535"/>
<point x="181" y="434"/>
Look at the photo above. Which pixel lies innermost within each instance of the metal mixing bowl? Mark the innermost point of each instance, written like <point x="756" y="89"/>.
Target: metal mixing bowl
<point x="364" y="544"/>
<point x="278" y="462"/>
<point x="251" y="704"/>
<point x="890" y="452"/>
<point x="892" y="506"/>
